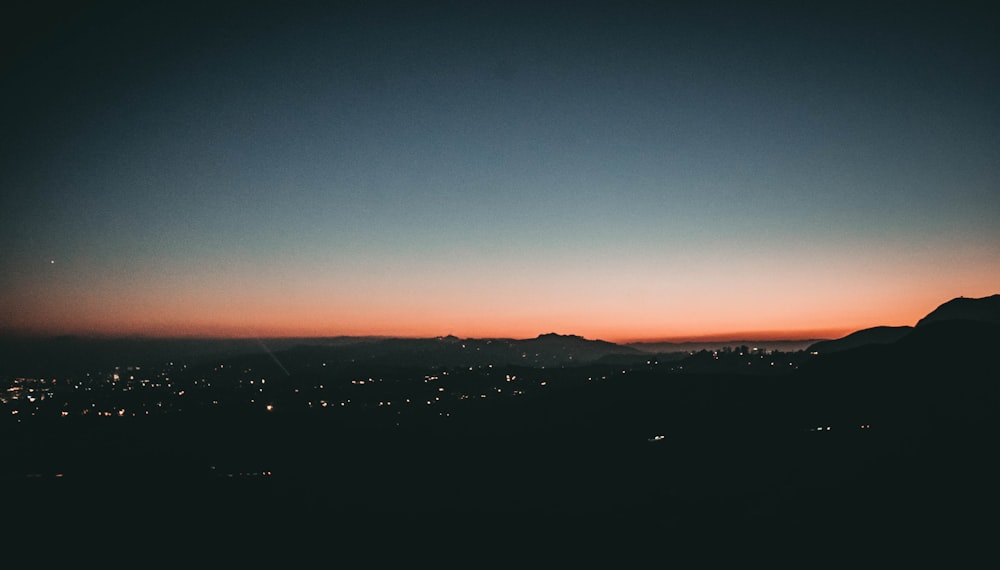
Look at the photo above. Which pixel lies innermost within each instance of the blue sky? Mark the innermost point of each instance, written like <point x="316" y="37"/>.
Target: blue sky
<point x="640" y="171"/>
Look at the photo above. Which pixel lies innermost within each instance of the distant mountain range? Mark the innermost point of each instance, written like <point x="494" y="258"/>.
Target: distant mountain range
<point x="886" y="432"/>
<point x="446" y="352"/>
<point x="64" y="355"/>
<point x="68" y="355"/>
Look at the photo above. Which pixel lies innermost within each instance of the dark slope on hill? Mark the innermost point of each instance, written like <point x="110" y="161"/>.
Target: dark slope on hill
<point x="874" y="335"/>
<point x="945" y="371"/>
<point x="985" y="309"/>
<point x="982" y="309"/>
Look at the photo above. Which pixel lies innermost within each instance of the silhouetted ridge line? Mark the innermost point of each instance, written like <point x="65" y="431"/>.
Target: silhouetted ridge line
<point x="962" y="308"/>
<point x="874" y="335"/>
<point x="985" y="309"/>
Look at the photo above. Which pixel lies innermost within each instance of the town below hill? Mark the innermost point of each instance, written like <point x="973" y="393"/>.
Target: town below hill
<point x="882" y="434"/>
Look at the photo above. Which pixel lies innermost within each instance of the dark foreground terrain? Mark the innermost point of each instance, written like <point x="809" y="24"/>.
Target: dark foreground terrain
<point x="875" y="455"/>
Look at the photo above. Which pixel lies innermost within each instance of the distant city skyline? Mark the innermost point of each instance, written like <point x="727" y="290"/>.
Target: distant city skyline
<point x="627" y="173"/>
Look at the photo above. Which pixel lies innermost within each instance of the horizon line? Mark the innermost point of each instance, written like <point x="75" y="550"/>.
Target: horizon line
<point x="735" y="337"/>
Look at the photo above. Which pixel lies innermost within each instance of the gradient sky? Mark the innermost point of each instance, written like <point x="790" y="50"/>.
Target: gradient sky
<point x="656" y="171"/>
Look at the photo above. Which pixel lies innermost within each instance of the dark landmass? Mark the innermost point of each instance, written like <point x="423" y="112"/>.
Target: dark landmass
<point x="874" y="335"/>
<point x="986" y="309"/>
<point x="468" y="451"/>
<point x="688" y="347"/>
<point x="68" y="354"/>
<point x="963" y="308"/>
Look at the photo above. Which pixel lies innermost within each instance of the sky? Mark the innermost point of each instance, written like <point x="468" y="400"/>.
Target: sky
<point x="622" y="171"/>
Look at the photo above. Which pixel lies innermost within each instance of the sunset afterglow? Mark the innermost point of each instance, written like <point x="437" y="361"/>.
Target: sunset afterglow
<point x="621" y="174"/>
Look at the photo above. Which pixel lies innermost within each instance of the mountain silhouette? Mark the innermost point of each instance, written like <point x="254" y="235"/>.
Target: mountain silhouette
<point x="874" y="335"/>
<point x="552" y="350"/>
<point x="706" y="447"/>
<point x="985" y="309"/>
<point x="937" y="350"/>
<point x="936" y="377"/>
<point x="968" y="309"/>
<point x="70" y="355"/>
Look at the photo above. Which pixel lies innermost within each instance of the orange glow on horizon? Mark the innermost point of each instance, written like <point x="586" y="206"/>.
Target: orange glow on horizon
<point x="615" y="310"/>
<point x="387" y="327"/>
<point x="221" y="331"/>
